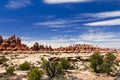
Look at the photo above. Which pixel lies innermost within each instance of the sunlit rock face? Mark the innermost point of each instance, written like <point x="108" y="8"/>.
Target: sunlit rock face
<point x="78" y="48"/>
<point x="83" y="48"/>
<point x="41" y="48"/>
<point x="36" y="47"/>
<point x="12" y="44"/>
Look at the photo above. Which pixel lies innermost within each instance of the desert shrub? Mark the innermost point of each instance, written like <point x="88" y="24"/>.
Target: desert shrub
<point x="3" y="60"/>
<point x="65" y="63"/>
<point x="24" y="66"/>
<point x="34" y="74"/>
<point x="109" y="63"/>
<point x="96" y="60"/>
<point x="103" y="64"/>
<point x="5" y="64"/>
<point x="53" y="69"/>
<point x="10" y="70"/>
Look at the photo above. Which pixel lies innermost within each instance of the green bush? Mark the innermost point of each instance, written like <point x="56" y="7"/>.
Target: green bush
<point x="109" y="63"/>
<point x="53" y="69"/>
<point x="103" y="64"/>
<point x="3" y="60"/>
<point x="25" y="66"/>
<point x="34" y="74"/>
<point x="96" y="61"/>
<point x="10" y="70"/>
<point x="65" y="63"/>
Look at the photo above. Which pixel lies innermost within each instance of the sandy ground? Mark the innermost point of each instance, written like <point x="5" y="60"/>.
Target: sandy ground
<point x="17" y="59"/>
<point x="86" y="75"/>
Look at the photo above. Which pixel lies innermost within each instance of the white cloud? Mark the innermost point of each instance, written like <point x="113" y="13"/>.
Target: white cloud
<point x="16" y="4"/>
<point x="58" y="23"/>
<point x="108" y="14"/>
<point x="54" y="30"/>
<point x="69" y="31"/>
<point x="64" y="1"/>
<point x="111" y="22"/>
<point x="102" y="39"/>
<point x="96" y="36"/>
<point x="54" y="42"/>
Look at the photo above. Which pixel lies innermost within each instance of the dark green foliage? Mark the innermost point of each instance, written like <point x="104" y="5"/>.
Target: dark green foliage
<point x="3" y="60"/>
<point x="25" y="66"/>
<point x="65" y="63"/>
<point x="53" y="69"/>
<point x="106" y="64"/>
<point x="109" y="63"/>
<point x="96" y="60"/>
<point x="34" y="74"/>
<point x="5" y="64"/>
<point x="10" y="70"/>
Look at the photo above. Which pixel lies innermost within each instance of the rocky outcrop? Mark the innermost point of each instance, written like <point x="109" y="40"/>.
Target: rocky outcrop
<point x="1" y="40"/>
<point x="12" y="44"/>
<point x="41" y="48"/>
<point x="83" y="48"/>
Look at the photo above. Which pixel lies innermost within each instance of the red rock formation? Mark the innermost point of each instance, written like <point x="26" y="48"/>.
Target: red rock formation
<point x="1" y="40"/>
<point x="12" y="44"/>
<point x="41" y="48"/>
<point x="36" y="47"/>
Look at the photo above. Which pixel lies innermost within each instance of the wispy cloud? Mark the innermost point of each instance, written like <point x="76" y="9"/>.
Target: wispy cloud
<point x="76" y="1"/>
<point x="16" y="4"/>
<point x="65" y="1"/>
<point x="102" y="39"/>
<point x="98" y="36"/>
<point x="109" y="18"/>
<point x="111" y="22"/>
<point x="109" y="14"/>
<point x="70" y="31"/>
<point x="58" y="23"/>
<point x="55" y="41"/>
<point x="54" y="30"/>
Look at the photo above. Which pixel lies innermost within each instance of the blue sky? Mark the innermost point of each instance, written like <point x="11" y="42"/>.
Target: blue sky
<point x="62" y="22"/>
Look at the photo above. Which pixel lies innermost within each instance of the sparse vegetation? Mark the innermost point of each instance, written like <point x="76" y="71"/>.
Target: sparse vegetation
<point x="103" y="64"/>
<point x="109" y="63"/>
<point x="96" y="61"/>
<point x="3" y="60"/>
<point x="65" y="63"/>
<point x="53" y="69"/>
<point x="25" y="66"/>
<point x="34" y="74"/>
<point x="10" y="70"/>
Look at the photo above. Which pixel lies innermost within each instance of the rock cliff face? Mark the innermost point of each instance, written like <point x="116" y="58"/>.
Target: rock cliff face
<point x="41" y="48"/>
<point x="12" y="44"/>
<point x="79" y="48"/>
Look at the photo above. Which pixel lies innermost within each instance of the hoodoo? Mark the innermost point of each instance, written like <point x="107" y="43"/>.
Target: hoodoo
<point x="12" y="44"/>
<point x="15" y="44"/>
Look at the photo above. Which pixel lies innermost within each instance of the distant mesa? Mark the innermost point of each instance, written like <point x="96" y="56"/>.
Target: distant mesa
<point x="14" y="44"/>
